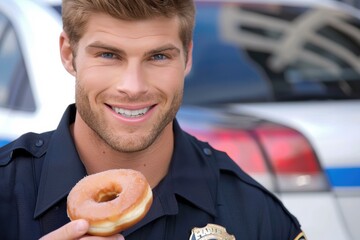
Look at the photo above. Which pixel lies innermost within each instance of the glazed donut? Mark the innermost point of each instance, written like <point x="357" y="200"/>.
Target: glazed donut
<point x="110" y="201"/>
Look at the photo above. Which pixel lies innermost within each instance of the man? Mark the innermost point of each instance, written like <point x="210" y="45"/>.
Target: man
<point x="129" y="59"/>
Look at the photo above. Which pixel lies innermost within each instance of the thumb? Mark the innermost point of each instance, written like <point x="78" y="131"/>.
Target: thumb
<point x="72" y="230"/>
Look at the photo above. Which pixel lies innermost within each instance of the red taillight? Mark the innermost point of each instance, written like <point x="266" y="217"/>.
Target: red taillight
<point x="288" y="150"/>
<point x="272" y="154"/>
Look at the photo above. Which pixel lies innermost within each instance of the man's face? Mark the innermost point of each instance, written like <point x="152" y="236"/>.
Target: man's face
<point x="129" y="79"/>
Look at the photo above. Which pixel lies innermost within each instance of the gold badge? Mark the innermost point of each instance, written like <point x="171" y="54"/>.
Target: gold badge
<point x="210" y="232"/>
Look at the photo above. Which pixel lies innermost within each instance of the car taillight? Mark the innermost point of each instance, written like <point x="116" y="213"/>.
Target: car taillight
<point x="291" y="158"/>
<point x="278" y="157"/>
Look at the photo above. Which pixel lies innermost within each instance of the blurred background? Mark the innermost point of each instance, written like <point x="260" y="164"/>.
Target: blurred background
<point x="275" y="84"/>
<point x="355" y="3"/>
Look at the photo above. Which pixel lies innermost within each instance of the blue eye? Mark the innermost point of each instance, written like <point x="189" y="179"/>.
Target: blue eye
<point x="158" y="57"/>
<point x="107" y="55"/>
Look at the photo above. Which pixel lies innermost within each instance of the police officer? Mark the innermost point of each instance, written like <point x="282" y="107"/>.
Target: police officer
<point x="129" y="59"/>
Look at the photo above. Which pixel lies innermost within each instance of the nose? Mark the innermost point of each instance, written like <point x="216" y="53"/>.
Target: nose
<point x="132" y="80"/>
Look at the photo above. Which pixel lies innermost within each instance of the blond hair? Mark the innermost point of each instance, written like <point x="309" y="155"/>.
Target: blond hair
<point x="75" y="14"/>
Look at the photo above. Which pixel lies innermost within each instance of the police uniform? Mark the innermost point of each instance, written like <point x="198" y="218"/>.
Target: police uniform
<point x="203" y="193"/>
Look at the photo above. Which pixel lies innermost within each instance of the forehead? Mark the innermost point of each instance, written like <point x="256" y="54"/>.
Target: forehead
<point x="106" y="27"/>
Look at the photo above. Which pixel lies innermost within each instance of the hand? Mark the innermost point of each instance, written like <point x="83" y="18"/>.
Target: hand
<point x="76" y="230"/>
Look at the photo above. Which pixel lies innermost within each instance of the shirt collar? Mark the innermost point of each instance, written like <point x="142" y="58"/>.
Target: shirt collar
<point x="191" y="175"/>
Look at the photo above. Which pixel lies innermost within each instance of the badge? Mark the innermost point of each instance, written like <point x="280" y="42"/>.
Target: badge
<point x="210" y="232"/>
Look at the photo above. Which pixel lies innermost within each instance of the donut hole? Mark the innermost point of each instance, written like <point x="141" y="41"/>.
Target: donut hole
<point x="107" y="197"/>
<point x="108" y="194"/>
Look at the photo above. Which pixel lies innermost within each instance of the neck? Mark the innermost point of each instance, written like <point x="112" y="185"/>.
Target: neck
<point x="153" y="162"/>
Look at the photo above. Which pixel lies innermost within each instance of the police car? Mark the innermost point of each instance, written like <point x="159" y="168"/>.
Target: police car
<point x="275" y="84"/>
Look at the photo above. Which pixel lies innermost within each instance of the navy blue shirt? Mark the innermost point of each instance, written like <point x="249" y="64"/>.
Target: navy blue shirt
<point x="203" y="186"/>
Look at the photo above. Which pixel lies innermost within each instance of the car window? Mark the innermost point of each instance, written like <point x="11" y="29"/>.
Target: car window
<point x="220" y="71"/>
<point x="262" y="52"/>
<point x="13" y="77"/>
<point x="57" y="8"/>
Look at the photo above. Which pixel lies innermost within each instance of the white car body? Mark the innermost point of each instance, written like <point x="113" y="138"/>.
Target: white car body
<point x="331" y="214"/>
<point x="38" y="30"/>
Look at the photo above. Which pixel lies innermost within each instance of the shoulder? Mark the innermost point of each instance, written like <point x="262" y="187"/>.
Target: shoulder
<point x="29" y="144"/>
<point x="36" y="144"/>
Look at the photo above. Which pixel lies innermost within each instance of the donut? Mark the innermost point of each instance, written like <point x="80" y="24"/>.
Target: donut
<point x="110" y="201"/>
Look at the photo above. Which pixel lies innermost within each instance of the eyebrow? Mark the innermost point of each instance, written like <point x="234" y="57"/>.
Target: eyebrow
<point x="98" y="44"/>
<point x="166" y="47"/>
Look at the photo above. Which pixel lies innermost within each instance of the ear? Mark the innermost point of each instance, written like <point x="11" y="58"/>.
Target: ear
<point x="66" y="53"/>
<point x="189" y="58"/>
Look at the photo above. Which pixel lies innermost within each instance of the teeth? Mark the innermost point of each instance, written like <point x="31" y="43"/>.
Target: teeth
<point x="131" y="113"/>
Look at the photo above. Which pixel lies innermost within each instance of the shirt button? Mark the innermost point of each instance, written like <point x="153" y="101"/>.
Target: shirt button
<point x="39" y="142"/>
<point x="207" y="151"/>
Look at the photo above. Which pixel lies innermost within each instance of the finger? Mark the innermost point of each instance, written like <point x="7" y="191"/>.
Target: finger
<point x="70" y="231"/>
<point x="113" y="237"/>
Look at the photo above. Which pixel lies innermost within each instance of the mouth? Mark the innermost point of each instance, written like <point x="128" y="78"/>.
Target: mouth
<point x="133" y="113"/>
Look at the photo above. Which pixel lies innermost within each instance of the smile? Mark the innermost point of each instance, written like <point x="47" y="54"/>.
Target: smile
<point x="131" y="113"/>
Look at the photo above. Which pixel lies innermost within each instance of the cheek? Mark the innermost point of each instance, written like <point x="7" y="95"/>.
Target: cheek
<point x="170" y="80"/>
<point x="94" y="79"/>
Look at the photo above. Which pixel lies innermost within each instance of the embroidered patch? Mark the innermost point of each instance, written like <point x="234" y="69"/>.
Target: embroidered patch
<point x="210" y="232"/>
<point x="301" y="236"/>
